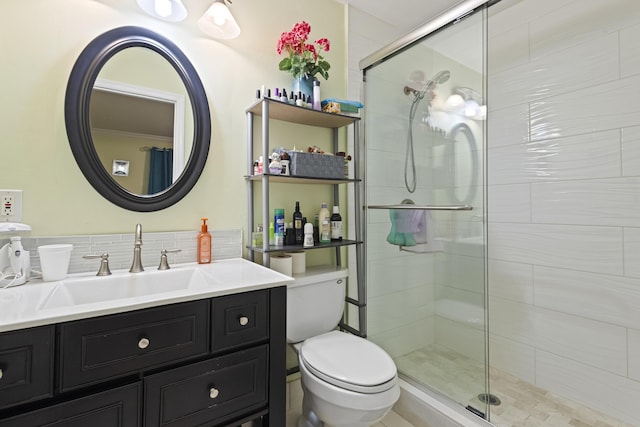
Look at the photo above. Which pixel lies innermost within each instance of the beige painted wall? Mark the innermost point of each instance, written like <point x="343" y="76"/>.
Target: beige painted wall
<point x="39" y="42"/>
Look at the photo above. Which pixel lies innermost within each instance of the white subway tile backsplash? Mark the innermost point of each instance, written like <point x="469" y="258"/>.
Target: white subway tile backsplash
<point x="606" y="298"/>
<point x="578" y="22"/>
<point x="507" y="125"/>
<point x="606" y="106"/>
<point x="410" y="337"/>
<point x="631" y="151"/>
<point x="399" y="274"/>
<point x="226" y="244"/>
<point x="461" y="272"/>
<point x="513" y="357"/>
<point x="634" y="354"/>
<point x="595" y="249"/>
<point x="594" y="343"/>
<point x="632" y="252"/>
<point x="511" y="280"/>
<point x="461" y="338"/>
<point x="612" y="202"/>
<point x="585" y="65"/>
<point x="512" y="320"/>
<point x="392" y="311"/>
<point x="509" y="49"/>
<point x="595" y="388"/>
<point x="509" y="203"/>
<point x="629" y="51"/>
<point x="590" y="156"/>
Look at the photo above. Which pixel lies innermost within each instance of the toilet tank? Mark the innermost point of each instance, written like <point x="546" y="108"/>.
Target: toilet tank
<point x="315" y="302"/>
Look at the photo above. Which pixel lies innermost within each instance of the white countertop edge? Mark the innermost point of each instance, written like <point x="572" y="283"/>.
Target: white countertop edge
<point x="261" y="278"/>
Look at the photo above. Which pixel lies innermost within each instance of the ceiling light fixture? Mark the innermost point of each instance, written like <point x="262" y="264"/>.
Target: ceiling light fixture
<point x="218" y="22"/>
<point x="167" y="10"/>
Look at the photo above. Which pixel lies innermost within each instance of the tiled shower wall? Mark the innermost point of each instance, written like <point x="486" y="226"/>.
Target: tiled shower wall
<point x="564" y="198"/>
<point x="225" y="244"/>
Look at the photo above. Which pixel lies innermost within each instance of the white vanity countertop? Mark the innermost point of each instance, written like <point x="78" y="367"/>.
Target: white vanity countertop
<point x="40" y="303"/>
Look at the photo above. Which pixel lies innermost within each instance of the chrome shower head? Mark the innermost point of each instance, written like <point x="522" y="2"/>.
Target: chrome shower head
<point x="439" y="78"/>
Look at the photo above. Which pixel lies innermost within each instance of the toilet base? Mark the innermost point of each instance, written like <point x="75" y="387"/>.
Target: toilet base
<point x="335" y="415"/>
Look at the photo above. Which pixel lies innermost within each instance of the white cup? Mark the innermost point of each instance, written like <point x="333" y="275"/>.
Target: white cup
<point x="54" y="261"/>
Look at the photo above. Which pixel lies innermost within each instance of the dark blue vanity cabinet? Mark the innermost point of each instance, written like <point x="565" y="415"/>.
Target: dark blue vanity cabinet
<point x="210" y="362"/>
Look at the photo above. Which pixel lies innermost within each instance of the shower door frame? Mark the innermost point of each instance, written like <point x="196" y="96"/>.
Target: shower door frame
<point x="450" y="17"/>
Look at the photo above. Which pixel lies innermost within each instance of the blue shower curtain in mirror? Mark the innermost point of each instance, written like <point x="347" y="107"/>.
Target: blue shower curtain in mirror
<point x="160" y="169"/>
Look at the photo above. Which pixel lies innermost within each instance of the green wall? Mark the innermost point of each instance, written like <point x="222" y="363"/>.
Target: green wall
<point x="39" y="43"/>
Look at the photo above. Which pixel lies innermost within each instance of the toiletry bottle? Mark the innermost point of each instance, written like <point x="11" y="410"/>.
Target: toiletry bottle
<point x="272" y="234"/>
<point x="298" y="231"/>
<point x="283" y="96"/>
<point x="324" y="224"/>
<point x="308" y="235"/>
<point x="316" y="95"/>
<point x="204" y="244"/>
<point x="336" y="224"/>
<point x="278" y="220"/>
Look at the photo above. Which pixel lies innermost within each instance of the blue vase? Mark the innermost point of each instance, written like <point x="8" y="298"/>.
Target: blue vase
<point x="304" y="85"/>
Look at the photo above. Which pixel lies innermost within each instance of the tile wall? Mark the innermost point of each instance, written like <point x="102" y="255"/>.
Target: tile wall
<point x="226" y="244"/>
<point x="564" y="180"/>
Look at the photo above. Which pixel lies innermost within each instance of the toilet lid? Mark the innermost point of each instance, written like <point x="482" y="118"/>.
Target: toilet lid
<point x="349" y="362"/>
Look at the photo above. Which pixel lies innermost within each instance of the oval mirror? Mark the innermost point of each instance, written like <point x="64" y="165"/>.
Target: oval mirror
<point x="137" y="119"/>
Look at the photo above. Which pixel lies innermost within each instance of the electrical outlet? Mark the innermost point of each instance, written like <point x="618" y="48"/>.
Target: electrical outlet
<point x="10" y="205"/>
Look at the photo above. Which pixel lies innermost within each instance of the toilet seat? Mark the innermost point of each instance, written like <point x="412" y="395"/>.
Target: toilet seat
<point x="349" y="362"/>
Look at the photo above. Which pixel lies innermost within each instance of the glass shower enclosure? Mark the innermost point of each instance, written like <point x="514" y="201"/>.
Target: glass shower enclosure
<point x="424" y="145"/>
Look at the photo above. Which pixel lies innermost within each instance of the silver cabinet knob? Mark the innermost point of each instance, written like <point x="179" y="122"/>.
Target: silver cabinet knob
<point x="143" y="343"/>
<point x="244" y="320"/>
<point x="214" y="392"/>
<point x="0" y="374"/>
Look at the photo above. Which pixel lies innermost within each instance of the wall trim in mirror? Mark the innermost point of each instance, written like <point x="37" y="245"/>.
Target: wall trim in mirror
<point x="77" y="117"/>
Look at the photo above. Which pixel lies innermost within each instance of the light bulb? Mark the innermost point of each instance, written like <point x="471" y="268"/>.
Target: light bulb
<point x="471" y="108"/>
<point x="163" y="8"/>
<point x="219" y="20"/>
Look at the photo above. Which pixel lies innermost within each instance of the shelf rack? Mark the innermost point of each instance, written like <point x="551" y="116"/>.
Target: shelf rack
<point x="270" y="109"/>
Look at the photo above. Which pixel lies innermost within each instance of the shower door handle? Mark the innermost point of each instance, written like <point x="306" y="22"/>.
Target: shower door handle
<point x="424" y="207"/>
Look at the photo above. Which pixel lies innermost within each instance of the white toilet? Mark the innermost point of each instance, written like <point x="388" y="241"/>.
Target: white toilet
<point x="346" y="380"/>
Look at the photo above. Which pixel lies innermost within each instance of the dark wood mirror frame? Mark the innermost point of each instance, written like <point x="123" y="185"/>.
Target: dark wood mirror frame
<point x="77" y="101"/>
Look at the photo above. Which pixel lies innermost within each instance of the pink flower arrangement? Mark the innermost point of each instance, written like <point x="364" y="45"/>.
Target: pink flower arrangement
<point x="304" y="59"/>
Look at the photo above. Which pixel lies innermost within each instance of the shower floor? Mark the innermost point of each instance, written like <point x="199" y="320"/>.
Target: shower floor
<point x="522" y="404"/>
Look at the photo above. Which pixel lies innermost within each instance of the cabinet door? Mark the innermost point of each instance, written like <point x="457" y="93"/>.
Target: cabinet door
<point x="209" y="392"/>
<point x="26" y="365"/>
<point x="239" y="320"/>
<point x="95" y="349"/>
<point x="114" y="408"/>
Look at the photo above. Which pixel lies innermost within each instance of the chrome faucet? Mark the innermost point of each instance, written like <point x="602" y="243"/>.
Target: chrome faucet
<point x="136" y="266"/>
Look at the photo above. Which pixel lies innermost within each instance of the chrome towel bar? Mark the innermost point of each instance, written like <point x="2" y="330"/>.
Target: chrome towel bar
<point x="424" y="208"/>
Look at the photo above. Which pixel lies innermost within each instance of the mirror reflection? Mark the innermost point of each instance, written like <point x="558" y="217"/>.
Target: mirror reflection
<point x="141" y="126"/>
<point x="137" y="65"/>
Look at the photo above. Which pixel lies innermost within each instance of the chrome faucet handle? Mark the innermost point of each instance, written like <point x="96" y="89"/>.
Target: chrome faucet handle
<point x="104" y="263"/>
<point x="164" y="263"/>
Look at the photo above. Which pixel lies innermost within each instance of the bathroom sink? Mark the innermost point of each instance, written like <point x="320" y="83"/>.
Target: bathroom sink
<point x="148" y="284"/>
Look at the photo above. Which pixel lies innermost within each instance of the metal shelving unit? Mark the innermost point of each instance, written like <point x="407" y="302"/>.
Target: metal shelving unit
<point x="267" y="110"/>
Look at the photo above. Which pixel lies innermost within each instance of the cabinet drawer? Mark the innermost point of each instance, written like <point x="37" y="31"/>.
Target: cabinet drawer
<point x="26" y="365"/>
<point x="218" y="389"/>
<point x="114" y="408"/>
<point x="239" y="319"/>
<point x="95" y="349"/>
